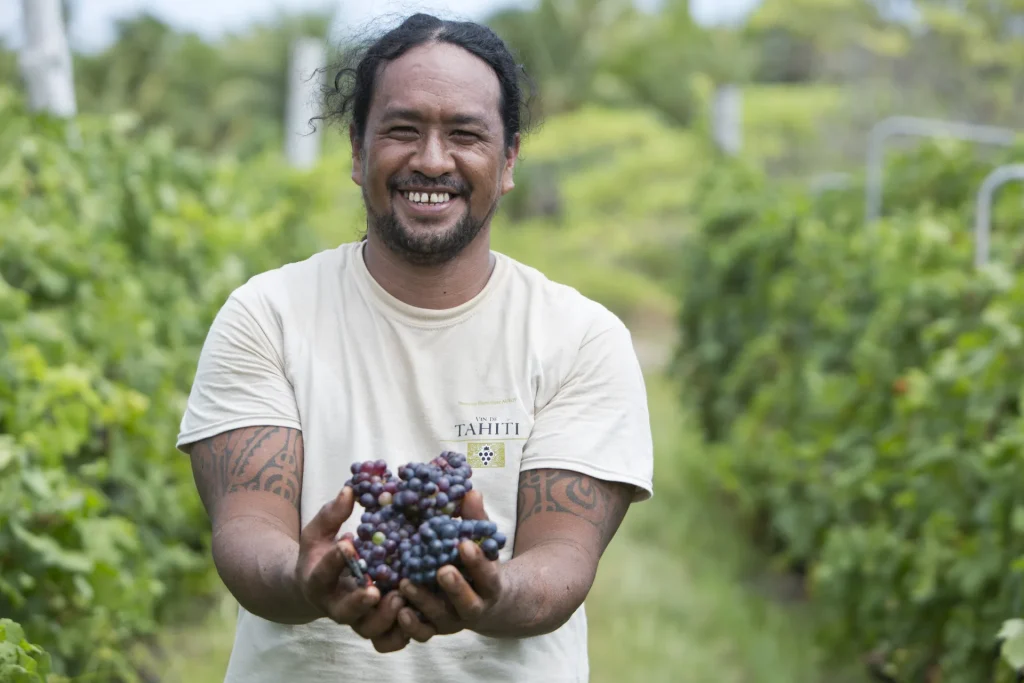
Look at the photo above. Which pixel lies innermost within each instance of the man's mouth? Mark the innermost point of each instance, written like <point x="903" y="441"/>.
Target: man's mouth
<point x="428" y="198"/>
<point x="430" y="202"/>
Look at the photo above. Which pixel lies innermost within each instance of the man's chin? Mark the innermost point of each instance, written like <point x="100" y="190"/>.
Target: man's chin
<point x="425" y="244"/>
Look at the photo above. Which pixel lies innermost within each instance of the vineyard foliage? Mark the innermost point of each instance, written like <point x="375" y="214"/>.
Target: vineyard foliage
<point x="860" y="387"/>
<point x="22" y="661"/>
<point x="117" y="250"/>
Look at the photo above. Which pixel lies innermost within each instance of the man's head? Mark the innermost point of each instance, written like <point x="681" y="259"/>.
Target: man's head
<point x="436" y="112"/>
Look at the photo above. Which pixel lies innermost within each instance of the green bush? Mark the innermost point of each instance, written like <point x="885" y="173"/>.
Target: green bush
<point x="22" y="661"/>
<point x="860" y="388"/>
<point x="117" y="251"/>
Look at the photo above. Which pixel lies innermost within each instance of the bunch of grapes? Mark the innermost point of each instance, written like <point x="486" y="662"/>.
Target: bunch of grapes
<point x="411" y="526"/>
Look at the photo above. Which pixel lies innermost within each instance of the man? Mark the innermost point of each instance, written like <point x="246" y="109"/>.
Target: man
<point x="415" y="341"/>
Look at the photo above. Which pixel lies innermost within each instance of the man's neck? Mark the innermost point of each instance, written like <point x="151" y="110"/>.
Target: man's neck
<point x="435" y="287"/>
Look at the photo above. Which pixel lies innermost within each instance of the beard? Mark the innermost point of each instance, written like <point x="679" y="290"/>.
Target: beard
<point x="426" y="248"/>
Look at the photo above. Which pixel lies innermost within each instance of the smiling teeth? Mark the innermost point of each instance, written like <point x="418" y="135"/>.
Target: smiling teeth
<point x="425" y="198"/>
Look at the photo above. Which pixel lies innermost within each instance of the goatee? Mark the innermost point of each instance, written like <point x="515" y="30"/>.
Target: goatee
<point x="425" y="248"/>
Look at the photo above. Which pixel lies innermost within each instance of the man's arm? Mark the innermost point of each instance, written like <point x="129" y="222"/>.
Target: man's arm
<point x="565" y="522"/>
<point x="250" y="482"/>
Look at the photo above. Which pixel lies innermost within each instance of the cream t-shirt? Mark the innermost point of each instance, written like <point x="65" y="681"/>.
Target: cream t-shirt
<point x="528" y="374"/>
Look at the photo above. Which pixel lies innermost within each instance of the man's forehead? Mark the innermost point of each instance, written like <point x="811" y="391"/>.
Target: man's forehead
<point x="441" y="76"/>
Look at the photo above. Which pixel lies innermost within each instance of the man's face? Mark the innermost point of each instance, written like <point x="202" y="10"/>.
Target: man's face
<point x="433" y="163"/>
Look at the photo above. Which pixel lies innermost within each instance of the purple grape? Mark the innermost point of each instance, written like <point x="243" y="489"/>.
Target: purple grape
<point x="410" y="526"/>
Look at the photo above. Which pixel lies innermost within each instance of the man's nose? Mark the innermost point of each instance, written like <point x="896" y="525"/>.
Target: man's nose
<point x="432" y="158"/>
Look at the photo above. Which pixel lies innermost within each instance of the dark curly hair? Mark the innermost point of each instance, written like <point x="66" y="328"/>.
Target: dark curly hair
<point x="348" y="99"/>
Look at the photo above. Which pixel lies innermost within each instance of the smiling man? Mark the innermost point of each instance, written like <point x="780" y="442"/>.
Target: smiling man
<point x="418" y="339"/>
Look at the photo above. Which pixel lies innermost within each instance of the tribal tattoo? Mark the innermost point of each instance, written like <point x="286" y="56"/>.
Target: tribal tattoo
<point x="251" y="459"/>
<point x="601" y="504"/>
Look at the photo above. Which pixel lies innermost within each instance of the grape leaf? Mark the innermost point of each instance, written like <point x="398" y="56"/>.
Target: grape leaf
<point x="1012" y="635"/>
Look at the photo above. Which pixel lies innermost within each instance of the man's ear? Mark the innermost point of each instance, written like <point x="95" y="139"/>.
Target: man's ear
<point x="511" y="156"/>
<point x="357" y="155"/>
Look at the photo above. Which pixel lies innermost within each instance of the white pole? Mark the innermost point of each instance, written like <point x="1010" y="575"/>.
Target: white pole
<point x="46" y="64"/>
<point x="301" y="143"/>
<point x="727" y="119"/>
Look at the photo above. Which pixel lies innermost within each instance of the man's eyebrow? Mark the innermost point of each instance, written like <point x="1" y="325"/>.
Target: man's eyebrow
<point x="398" y="113"/>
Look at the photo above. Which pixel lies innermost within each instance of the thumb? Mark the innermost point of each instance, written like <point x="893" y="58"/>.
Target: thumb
<point x="331" y="516"/>
<point x="473" y="506"/>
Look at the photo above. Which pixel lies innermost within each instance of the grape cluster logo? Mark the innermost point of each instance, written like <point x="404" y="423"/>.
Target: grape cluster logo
<point x="485" y="454"/>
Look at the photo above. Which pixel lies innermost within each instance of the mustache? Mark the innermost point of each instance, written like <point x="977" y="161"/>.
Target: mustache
<point x="455" y="185"/>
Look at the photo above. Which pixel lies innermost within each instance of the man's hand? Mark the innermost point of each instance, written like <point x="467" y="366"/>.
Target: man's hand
<point x="327" y="583"/>
<point x="460" y="605"/>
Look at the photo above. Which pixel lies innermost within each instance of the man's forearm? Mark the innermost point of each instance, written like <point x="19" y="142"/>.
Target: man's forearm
<point x="542" y="588"/>
<point x="256" y="560"/>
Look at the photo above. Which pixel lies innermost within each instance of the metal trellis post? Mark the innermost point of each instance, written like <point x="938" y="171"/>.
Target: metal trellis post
<point x="45" y="59"/>
<point x="302" y="144"/>
<point x="727" y="115"/>
<point x="983" y="209"/>
<point x="920" y="127"/>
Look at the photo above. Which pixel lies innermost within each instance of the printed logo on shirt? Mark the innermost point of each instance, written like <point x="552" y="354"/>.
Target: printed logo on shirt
<point x="492" y="435"/>
<point x="485" y="454"/>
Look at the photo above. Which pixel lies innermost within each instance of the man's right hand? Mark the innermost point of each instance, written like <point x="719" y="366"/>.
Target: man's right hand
<point x="250" y="481"/>
<point x="327" y="583"/>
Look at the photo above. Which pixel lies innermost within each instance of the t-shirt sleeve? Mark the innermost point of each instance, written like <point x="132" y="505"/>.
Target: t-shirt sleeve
<point x="240" y="377"/>
<point x="598" y="422"/>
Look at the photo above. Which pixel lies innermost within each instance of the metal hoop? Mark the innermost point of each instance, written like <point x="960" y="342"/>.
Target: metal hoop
<point x="919" y="127"/>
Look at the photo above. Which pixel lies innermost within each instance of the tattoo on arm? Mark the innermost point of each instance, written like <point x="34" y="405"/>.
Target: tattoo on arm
<point x="251" y="459"/>
<point x="601" y="504"/>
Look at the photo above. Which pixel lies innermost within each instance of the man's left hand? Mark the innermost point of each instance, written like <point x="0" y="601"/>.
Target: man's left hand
<point x="459" y="606"/>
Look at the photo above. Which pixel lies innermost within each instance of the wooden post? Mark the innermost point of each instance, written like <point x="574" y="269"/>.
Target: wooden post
<point x="46" y="64"/>
<point x="301" y="143"/>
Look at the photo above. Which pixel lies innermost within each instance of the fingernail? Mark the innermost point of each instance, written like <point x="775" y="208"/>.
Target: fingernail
<point x="368" y="599"/>
<point x="405" y="619"/>
<point x="410" y="590"/>
<point x="398" y="601"/>
<point x="447" y="580"/>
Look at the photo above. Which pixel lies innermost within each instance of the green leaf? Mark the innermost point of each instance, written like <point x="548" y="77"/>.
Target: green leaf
<point x="1012" y="635"/>
<point x="51" y="553"/>
<point x="11" y="631"/>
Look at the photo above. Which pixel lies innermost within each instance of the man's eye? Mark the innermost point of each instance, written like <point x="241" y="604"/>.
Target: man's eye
<point x="403" y="130"/>
<point x="465" y="134"/>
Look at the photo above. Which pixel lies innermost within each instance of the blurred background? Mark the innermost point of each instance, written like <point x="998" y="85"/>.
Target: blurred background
<point x="807" y="212"/>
